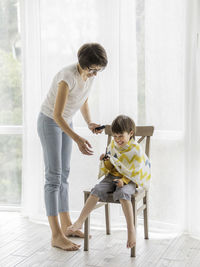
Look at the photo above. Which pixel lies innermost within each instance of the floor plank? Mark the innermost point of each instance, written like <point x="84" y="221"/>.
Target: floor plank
<point x="11" y="261"/>
<point x="24" y="243"/>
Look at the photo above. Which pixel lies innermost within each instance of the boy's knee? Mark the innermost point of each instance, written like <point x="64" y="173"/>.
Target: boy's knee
<point x="120" y="195"/>
<point x="97" y="191"/>
<point x="97" y="188"/>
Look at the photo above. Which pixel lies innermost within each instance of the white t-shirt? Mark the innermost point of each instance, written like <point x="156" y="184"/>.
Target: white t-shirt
<point x="78" y="92"/>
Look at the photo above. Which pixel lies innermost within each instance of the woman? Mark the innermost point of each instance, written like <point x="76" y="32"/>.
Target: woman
<point x="68" y="93"/>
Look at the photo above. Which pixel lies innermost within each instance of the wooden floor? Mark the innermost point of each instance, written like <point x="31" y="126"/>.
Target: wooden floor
<point x="23" y="244"/>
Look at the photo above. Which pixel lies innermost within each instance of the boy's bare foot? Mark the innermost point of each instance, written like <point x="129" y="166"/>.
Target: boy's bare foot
<point x="77" y="233"/>
<point x="74" y="227"/>
<point x="131" y="242"/>
<point x="73" y="230"/>
<point x="64" y="243"/>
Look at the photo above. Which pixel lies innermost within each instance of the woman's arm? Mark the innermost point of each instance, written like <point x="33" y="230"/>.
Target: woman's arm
<point x="61" y="100"/>
<point x="86" y="112"/>
<point x="87" y="117"/>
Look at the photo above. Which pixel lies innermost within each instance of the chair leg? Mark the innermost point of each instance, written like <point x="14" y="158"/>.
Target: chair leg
<point x="134" y="204"/>
<point x="107" y="214"/>
<point x="145" y="213"/>
<point x="86" y="227"/>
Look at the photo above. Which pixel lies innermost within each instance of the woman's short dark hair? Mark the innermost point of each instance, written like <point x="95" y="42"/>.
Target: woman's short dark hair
<point x="92" y="54"/>
<point x="123" y="124"/>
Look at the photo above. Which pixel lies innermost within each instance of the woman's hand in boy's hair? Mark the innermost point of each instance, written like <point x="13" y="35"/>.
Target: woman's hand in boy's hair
<point x="92" y="127"/>
<point x="120" y="182"/>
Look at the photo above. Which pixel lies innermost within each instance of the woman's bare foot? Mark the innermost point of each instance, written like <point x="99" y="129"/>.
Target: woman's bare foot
<point x="131" y="242"/>
<point x="64" y="243"/>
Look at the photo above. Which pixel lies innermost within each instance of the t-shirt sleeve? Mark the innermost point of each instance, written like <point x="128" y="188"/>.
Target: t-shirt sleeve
<point x="66" y="77"/>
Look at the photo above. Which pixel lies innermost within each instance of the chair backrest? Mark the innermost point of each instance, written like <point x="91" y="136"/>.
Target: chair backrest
<point x="144" y="132"/>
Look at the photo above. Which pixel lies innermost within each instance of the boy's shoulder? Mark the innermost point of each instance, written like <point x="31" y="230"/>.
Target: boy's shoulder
<point x="135" y="145"/>
<point x="132" y="144"/>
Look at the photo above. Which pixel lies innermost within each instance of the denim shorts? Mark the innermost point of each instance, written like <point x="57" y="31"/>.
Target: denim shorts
<point x="106" y="186"/>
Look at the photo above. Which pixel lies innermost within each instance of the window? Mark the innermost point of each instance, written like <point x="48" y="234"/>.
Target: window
<point x="10" y="104"/>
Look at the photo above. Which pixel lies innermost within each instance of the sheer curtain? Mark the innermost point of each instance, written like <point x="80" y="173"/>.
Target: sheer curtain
<point x="165" y="108"/>
<point x="52" y="36"/>
<point x="172" y="96"/>
<point x="193" y="117"/>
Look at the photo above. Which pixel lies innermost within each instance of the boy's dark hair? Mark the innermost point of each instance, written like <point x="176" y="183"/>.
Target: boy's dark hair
<point x="123" y="124"/>
<point x="92" y="54"/>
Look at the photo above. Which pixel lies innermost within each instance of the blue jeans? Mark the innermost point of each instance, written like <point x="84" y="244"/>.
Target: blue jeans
<point x="57" y="147"/>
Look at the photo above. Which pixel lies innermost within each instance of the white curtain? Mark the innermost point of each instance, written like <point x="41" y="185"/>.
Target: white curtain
<point x="53" y="34"/>
<point x="165" y="23"/>
<point x="172" y="95"/>
<point x="193" y="115"/>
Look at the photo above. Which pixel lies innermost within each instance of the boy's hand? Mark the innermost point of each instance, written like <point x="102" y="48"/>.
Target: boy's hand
<point x="120" y="182"/>
<point x="103" y="157"/>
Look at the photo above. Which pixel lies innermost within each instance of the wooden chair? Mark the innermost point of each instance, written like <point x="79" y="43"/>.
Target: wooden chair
<point x="144" y="132"/>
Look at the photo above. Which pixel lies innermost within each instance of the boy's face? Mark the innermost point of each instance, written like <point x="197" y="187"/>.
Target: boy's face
<point x="123" y="138"/>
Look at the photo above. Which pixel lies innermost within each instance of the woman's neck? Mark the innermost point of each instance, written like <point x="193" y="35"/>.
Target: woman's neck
<point x="81" y="72"/>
